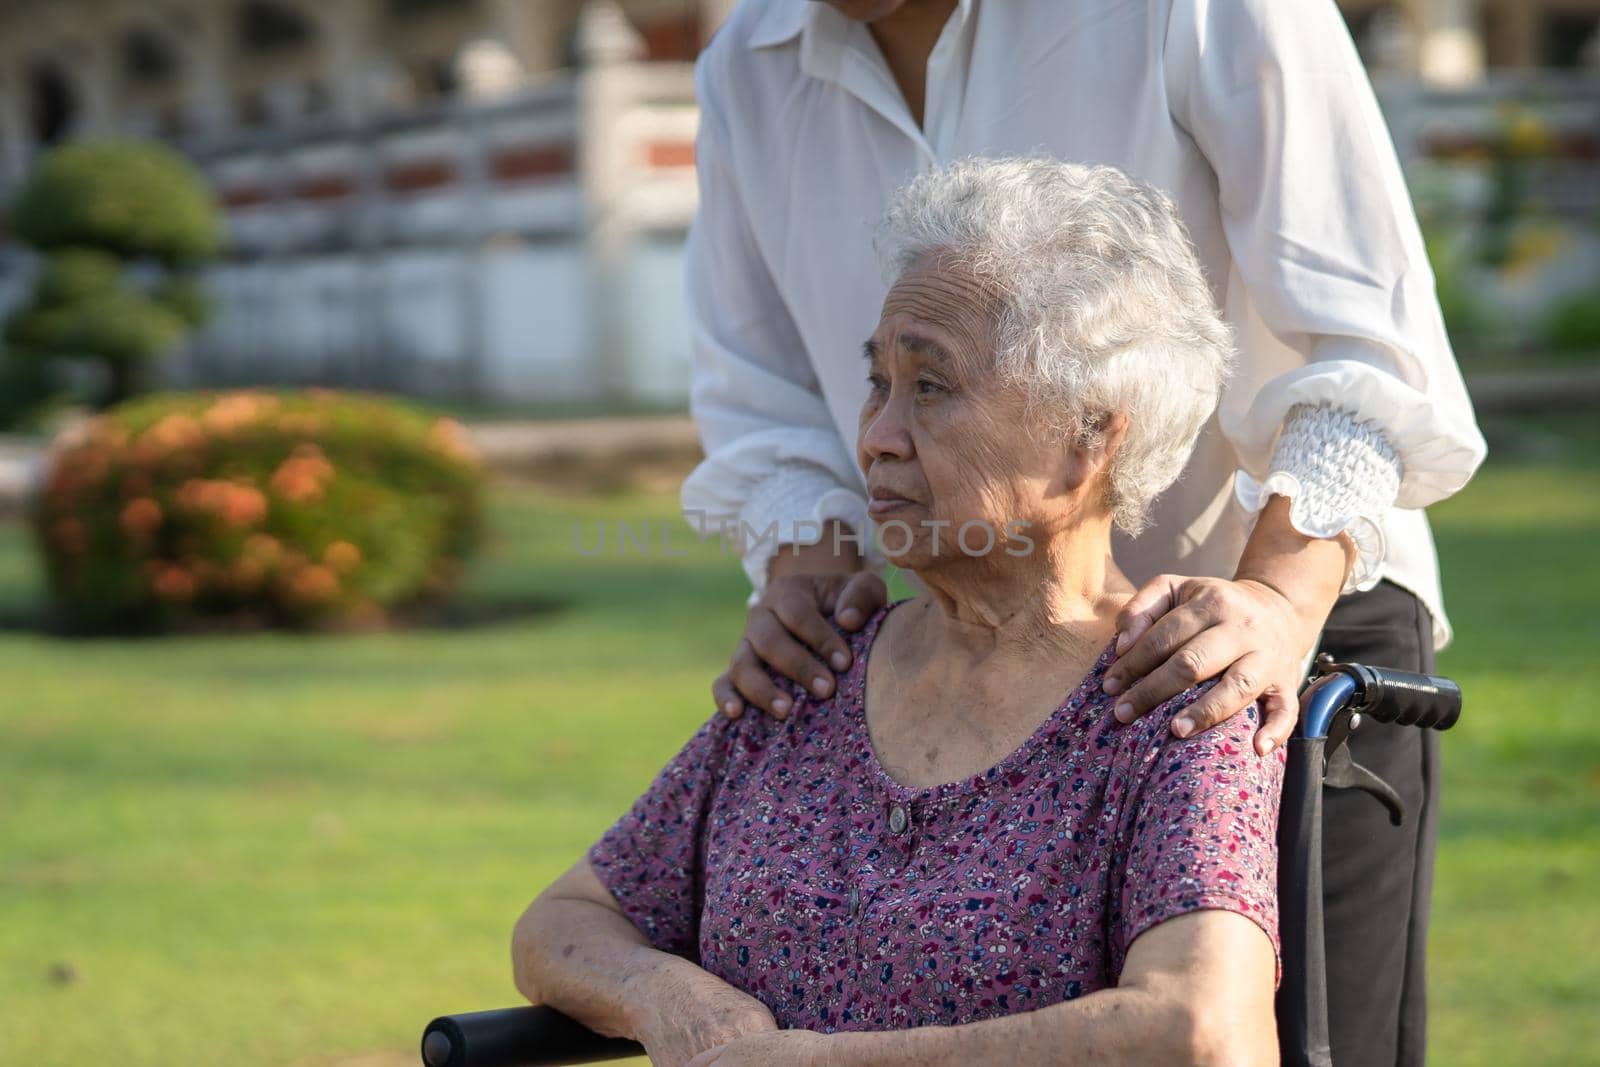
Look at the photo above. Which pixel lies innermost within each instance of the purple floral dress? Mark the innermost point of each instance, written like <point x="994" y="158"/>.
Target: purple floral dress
<point x="782" y="857"/>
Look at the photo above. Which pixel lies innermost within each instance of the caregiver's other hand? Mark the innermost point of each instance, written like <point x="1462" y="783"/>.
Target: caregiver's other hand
<point x="1176" y="632"/>
<point x="781" y="1048"/>
<point x="684" y="1011"/>
<point x="1254" y="631"/>
<point x="788" y="630"/>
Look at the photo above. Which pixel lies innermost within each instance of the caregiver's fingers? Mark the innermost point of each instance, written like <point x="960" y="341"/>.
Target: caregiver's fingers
<point x="754" y="685"/>
<point x="1281" y="710"/>
<point x="1201" y="657"/>
<point x="860" y="598"/>
<point x="777" y="644"/>
<point x="1158" y="645"/>
<point x="1154" y="599"/>
<point x="802" y="616"/>
<point x="726" y="697"/>
<point x="1239" y="687"/>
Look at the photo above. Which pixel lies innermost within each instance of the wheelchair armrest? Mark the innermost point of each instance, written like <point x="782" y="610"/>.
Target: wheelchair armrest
<point x="528" y="1036"/>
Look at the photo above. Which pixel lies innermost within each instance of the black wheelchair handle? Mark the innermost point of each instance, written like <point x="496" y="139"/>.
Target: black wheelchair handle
<point x="517" y="1037"/>
<point x="1403" y="698"/>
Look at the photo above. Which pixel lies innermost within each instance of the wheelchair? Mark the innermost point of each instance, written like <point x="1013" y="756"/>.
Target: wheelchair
<point x="1334" y="702"/>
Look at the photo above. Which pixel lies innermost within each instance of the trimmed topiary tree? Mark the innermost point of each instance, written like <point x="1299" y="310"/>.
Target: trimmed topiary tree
<point x="123" y="227"/>
<point x="298" y="508"/>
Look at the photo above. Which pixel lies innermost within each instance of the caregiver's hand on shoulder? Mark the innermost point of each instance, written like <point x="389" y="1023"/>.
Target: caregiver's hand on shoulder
<point x="1253" y="631"/>
<point x="684" y="1011"/>
<point x="1176" y="632"/>
<point x="781" y="1048"/>
<point x="788" y="630"/>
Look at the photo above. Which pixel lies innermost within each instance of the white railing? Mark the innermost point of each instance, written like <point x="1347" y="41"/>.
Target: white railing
<point x="519" y="250"/>
<point x="530" y="248"/>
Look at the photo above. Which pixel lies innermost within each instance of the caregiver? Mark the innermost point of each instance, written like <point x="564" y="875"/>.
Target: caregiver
<point x="1345" y="417"/>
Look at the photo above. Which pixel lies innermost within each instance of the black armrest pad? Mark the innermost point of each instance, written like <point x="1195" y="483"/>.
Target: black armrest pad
<point x="517" y="1037"/>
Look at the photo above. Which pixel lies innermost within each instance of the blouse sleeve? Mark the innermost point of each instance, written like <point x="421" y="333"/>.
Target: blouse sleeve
<point x="652" y="859"/>
<point x="775" y="470"/>
<point x="1198" y="826"/>
<point x="1333" y="289"/>
<point x="1339" y="475"/>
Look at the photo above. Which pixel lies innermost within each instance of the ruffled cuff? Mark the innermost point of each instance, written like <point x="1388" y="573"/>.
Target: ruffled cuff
<point x="1340" y="475"/>
<point x="793" y="506"/>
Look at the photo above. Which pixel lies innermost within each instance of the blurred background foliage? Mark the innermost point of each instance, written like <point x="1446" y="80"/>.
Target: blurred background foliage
<point x="132" y="198"/>
<point x="1489" y="261"/>
<point x="255" y="507"/>
<point x="121" y="228"/>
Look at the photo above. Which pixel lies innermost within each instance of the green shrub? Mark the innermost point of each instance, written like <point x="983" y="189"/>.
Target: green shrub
<point x="1572" y="324"/>
<point x="1466" y="319"/>
<point x="92" y="208"/>
<point x="131" y="198"/>
<point x="185" y="297"/>
<point x="117" y="326"/>
<point x="27" y="390"/>
<point x="71" y="274"/>
<point x="297" y="508"/>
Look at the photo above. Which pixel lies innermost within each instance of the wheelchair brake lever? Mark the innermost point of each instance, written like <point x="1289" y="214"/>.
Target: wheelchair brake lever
<point x="1339" y="769"/>
<point x="1342" y="772"/>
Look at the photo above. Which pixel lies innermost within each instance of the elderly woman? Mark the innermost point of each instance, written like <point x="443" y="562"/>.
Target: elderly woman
<point x="962" y="855"/>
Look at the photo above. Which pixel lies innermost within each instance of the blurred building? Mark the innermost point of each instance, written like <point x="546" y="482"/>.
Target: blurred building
<point x="474" y="198"/>
<point x="1456" y="43"/>
<point x="487" y="198"/>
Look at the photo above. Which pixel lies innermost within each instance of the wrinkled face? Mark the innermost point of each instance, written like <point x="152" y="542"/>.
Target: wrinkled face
<point x="942" y="442"/>
<point x="866" y="10"/>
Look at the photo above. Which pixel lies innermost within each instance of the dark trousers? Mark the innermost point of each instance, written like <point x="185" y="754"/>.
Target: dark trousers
<point x="1378" y="878"/>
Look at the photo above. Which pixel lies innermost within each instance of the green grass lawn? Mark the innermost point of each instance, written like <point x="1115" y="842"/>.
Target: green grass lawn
<point x="292" y="850"/>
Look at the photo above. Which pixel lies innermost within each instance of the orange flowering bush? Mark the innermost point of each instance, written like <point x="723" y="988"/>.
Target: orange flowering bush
<point x="291" y="507"/>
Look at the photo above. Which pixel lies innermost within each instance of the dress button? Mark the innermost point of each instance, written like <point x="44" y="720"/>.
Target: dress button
<point x="898" y="819"/>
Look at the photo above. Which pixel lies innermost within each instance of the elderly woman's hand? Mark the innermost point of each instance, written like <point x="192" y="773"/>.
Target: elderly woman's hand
<point x="781" y="1048"/>
<point x="1253" y="631"/>
<point x="684" y="1011"/>
<point x="787" y="629"/>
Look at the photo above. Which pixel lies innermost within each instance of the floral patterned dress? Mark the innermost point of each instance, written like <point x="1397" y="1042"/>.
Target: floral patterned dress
<point x="783" y="858"/>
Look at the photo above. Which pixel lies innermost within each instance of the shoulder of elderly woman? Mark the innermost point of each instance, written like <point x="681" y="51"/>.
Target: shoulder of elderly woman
<point x="855" y="640"/>
<point x="1155" y="729"/>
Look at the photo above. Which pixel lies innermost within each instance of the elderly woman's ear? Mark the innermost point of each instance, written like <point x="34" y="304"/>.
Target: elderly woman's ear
<point x="1087" y="460"/>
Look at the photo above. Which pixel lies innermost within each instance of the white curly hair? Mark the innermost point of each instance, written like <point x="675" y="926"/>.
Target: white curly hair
<point x="1105" y="308"/>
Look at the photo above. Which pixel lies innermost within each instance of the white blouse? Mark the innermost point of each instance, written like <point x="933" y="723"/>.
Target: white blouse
<point x="1255" y="116"/>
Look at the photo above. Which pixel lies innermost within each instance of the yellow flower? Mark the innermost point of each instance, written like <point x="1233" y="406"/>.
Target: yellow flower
<point x="342" y="556"/>
<point x="452" y="439"/>
<point x="235" y="410"/>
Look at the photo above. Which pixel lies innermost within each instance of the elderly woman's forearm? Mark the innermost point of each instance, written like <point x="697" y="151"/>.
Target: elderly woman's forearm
<point x="1196" y="989"/>
<point x="585" y="960"/>
<point x="1115" y="1026"/>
